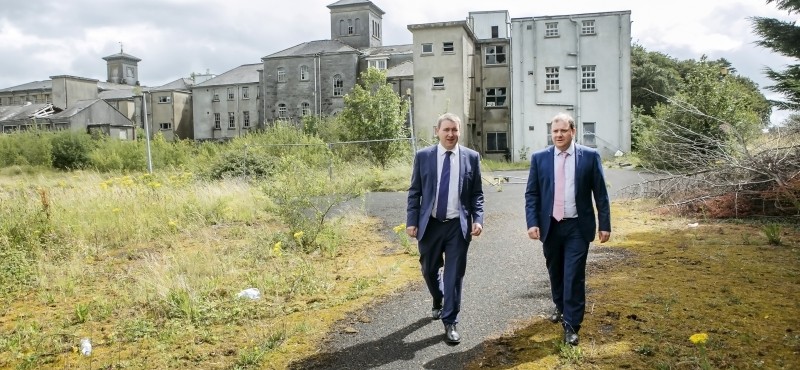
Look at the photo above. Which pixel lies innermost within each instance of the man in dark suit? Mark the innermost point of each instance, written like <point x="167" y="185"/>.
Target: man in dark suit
<point x="562" y="181"/>
<point x="445" y="210"/>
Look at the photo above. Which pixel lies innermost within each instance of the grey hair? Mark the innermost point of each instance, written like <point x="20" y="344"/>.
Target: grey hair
<point x="448" y="117"/>
<point x="563" y="117"/>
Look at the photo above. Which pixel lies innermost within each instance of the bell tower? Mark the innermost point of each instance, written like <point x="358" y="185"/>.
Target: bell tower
<point x="122" y="68"/>
<point x="357" y="23"/>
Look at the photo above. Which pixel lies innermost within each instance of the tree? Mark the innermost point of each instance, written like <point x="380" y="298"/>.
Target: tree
<point x="373" y="111"/>
<point x="784" y="38"/>
<point x="709" y="100"/>
<point x="654" y="78"/>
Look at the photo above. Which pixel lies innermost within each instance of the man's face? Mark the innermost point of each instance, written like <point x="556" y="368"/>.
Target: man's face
<point x="562" y="134"/>
<point x="448" y="133"/>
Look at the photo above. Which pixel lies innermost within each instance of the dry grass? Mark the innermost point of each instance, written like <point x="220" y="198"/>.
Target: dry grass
<point x="673" y="281"/>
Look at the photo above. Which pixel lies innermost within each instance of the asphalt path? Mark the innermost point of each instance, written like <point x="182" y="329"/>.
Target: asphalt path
<point x="505" y="284"/>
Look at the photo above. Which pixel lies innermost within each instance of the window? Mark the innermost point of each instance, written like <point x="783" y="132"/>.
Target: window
<point x="427" y="48"/>
<point x="281" y="74"/>
<point x="549" y="133"/>
<point x="129" y="72"/>
<point x="305" y="108"/>
<point x="246" y="119"/>
<point x="588" y="134"/>
<point x="281" y="110"/>
<point x="551" y="29"/>
<point x="216" y="96"/>
<point x="350" y="27"/>
<point x="495" y="96"/>
<point x="447" y="47"/>
<point x="551" y="79"/>
<point x="588" y="78"/>
<point x="376" y="29"/>
<point x="358" y="26"/>
<point x="217" y="124"/>
<point x="245" y="92"/>
<point x="304" y="73"/>
<point x="164" y="99"/>
<point x="338" y="85"/>
<point x="378" y="63"/>
<point x="231" y="120"/>
<point x="495" y="32"/>
<point x="231" y="93"/>
<point x="496" y="142"/>
<point x="587" y="27"/>
<point x="438" y="82"/>
<point x="495" y="54"/>
<point x="165" y="126"/>
<point x="341" y="27"/>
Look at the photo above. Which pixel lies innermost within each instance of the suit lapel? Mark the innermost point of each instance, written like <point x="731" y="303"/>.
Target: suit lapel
<point x="462" y="167"/>
<point x="578" y="166"/>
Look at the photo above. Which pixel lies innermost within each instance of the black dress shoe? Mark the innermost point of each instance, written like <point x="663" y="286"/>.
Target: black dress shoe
<point x="570" y="337"/>
<point x="451" y="335"/>
<point x="436" y="311"/>
<point x="556" y="316"/>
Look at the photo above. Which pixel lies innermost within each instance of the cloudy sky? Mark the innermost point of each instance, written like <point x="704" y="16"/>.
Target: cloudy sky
<point x="42" y="38"/>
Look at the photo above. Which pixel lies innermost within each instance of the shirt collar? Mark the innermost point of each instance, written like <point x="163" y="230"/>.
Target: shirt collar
<point x="441" y="150"/>
<point x="570" y="150"/>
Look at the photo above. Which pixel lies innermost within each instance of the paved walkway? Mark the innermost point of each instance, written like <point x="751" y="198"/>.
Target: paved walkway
<point x="506" y="282"/>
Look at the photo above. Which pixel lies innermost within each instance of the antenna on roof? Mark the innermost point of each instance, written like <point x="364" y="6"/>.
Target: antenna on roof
<point x="120" y="48"/>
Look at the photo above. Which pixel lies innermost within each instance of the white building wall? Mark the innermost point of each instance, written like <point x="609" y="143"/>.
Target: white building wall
<point x="608" y="106"/>
<point x="482" y="23"/>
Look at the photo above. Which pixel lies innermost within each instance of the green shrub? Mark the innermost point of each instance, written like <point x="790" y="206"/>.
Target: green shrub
<point x="118" y="155"/>
<point x="70" y="150"/>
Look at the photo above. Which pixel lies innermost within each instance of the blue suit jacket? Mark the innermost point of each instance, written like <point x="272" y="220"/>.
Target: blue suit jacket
<point x="422" y="192"/>
<point x="589" y="181"/>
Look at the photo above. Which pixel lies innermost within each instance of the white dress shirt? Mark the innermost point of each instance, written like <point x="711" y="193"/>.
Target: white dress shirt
<point x="570" y="209"/>
<point x="453" y="200"/>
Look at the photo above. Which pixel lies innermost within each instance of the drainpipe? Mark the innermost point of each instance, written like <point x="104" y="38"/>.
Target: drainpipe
<point x="578" y="121"/>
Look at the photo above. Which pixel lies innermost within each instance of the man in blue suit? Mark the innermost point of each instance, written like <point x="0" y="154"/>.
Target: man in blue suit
<point x="562" y="181"/>
<point x="445" y="210"/>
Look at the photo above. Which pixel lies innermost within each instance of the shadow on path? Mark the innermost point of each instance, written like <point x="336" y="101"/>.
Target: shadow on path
<point x="372" y="354"/>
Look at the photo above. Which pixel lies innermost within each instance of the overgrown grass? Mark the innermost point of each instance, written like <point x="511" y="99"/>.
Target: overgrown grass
<point x="722" y="282"/>
<point x="149" y="266"/>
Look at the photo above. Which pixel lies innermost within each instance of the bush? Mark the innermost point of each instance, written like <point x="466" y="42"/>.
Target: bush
<point x="26" y="148"/>
<point x="70" y="150"/>
<point x="117" y="155"/>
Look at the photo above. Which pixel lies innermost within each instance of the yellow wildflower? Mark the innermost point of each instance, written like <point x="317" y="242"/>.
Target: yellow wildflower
<point x="298" y="235"/>
<point x="115" y="210"/>
<point x="400" y="228"/>
<point x="276" y="250"/>
<point x="699" y="338"/>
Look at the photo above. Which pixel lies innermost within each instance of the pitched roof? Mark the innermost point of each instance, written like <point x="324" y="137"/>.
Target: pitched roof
<point x="122" y="55"/>
<point x="342" y="3"/>
<point x="75" y="108"/>
<point x="19" y="112"/>
<point x="35" y="85"/>
<point x="314" y="47"/>
<point x="247" y="73"/>
<point x="179" y="84"/>
<point x="405" y="69"/>
<point x="389" y="49"/>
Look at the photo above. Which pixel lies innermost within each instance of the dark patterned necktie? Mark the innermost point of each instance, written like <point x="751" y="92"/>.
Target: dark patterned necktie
<point x="444" y="188"/>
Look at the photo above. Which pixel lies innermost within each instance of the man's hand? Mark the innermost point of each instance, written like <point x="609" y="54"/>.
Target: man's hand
<point x="476" y="229"/>
<point x="604" y="235"/>
<point x="533" y="233"/>
<point x="411" y="231"/>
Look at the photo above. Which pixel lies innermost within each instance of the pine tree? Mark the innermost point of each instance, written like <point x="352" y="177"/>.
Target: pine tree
<point x="782" y="37"/>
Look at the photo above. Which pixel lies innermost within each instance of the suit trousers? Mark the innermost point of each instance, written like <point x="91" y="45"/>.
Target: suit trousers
<point x="443" y="245"/>
<point x="565" y="252"/>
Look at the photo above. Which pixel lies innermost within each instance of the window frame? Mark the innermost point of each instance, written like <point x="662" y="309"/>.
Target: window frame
<point x="164" y="99"/>
<point x="231" y="93"/>
<point x="551" y="79"/>
<point x="164" y="126"/>
<point x="497" y="147"/>
<point x="448" y="47"/>
<point x="246" y="119"/>
<point x="217" y="121"/>
<point x="494" y="54"/>
<point x="305" y="109"/>
<point x="429" y="46"/>
<point x="495" y="97"/>
<point x="589" y="138"/>
<point x="303" y="72"/>
<point x="549" y="133"/>
<point x="588" y="27"/>
<point x="438" y="84"/>
<point x="551" y="29"/>
<point x="281" y="74"/>
<point x="282" y="110"/>
<point x="338" y="85"/>
<point x="231" y="120"/>
<point x="589" y="77"/>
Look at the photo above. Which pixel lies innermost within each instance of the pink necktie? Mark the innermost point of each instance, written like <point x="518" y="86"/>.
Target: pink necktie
<point x="558" y="197"/>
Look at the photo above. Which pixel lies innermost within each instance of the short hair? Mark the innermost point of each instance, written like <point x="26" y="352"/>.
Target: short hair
<point x="563" y="117"/>
<point x="448" y="117"/>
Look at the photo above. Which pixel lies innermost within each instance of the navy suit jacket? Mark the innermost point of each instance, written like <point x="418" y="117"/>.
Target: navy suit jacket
<point x="422" y="192"/>
<point x="589" y="181"/>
